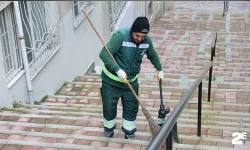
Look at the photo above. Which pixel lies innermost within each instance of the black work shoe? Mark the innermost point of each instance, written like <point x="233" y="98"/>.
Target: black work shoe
<point x="131" y="137"/>
<point x="108" y="134"/>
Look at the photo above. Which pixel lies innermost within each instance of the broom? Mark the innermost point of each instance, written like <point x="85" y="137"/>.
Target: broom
<point x="154" y="127"/>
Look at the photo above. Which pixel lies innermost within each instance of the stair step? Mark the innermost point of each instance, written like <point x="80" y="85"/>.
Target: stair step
<point x="103" y="139"/>
<point x="78" y="146"/>
<point x="238" y="81"/>
<point x="93" y="111"/>
<point x="195" y="25"/>
<point x="67" y="105"/>
<point x="198" y="36"/>
<point x="53" y="145"/>
<point x="98" y="112"/>
<point x="220" y="33"/>
<point x="174" y="76"/>
<point x="241" y="62"/>
<point x="203" y="20"/>
<point x="72" y="119"/>
<point x="206" y="129"/>
<point x="221" y="87"/>
<point x="151" y="90"/>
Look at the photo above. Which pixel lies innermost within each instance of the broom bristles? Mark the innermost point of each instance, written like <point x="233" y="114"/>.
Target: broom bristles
<point x="154" y="127"/>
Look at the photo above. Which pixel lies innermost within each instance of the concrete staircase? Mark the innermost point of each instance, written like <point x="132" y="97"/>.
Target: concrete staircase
<point x="72" y="118"/>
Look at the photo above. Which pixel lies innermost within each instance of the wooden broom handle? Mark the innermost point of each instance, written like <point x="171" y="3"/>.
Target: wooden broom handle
<point x="111" y="55"/>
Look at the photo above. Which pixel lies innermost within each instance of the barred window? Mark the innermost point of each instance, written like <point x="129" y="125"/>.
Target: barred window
<point x="40" y="21"/>
<point x="87" y="6"/>
<point x="9" y="42"/>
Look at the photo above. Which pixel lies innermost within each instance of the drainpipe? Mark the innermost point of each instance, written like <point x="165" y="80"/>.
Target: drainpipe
<point x="24" y="53"/>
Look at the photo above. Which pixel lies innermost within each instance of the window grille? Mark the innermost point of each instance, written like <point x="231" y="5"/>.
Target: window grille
<point x="40" y="21"/>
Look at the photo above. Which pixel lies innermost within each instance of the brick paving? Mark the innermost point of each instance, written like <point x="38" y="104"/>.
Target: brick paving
<point x="72" y="118"/>
<point x="212" y="5"/>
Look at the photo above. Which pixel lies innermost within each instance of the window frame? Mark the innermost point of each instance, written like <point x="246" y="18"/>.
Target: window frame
<point x="12" y="42"/>
<point x="79" y="17"/>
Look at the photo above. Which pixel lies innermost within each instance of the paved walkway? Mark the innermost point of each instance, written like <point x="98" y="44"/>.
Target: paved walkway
<point x="72" y="118"/>
<point x="213" y="5"/>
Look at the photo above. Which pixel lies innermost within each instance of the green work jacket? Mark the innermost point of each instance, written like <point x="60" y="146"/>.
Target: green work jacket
<point x="128" y="56"/>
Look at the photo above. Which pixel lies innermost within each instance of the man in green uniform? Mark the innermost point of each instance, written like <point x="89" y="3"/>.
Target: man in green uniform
<point x="127" y="45"/>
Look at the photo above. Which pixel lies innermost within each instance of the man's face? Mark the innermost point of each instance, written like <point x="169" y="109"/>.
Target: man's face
<point x="138" y="37"/>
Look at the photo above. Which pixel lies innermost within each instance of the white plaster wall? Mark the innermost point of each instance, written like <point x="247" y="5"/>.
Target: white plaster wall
<point x="3" y="85"/>
<point x="17" y="93"/>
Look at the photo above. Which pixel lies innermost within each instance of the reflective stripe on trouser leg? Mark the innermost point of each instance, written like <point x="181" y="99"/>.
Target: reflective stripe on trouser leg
<point x="128" y="125"/>
<point x="109" y="124"/>
<point x="130" y="110"/>
<point x="110" y="97"/>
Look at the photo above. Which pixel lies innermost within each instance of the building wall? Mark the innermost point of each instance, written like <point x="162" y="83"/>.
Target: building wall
<point x="79" y="49"/>
<point x="18" y="92"/>
<point x="6" y="95"/>
<point x="128" y="17"/>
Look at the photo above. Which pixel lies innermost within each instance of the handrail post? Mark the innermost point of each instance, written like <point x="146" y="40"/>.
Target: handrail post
<point x="211" y="70"/>
<point x="215" y="44"/>
<point x="212" y="54"/>
<point x="169" y="141"/>
<point x="199" y="109"/>
<point x="209" y="82"/>
<point x="213" y="48"/>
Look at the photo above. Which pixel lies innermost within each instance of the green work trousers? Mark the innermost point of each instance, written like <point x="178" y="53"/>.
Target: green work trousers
<point x="110" y="96"/>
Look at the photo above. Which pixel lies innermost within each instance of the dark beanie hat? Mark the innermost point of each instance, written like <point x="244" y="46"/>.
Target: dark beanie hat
<point x="141" y="24"/>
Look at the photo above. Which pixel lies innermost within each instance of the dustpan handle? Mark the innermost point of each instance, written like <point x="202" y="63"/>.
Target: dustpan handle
<point x="161" y="97"/>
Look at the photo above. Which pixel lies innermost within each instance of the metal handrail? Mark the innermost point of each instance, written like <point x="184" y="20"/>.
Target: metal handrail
<point x="215" y="34"/>
<point x="166" y="130"/>
<point x="213" y="48"/>
<point x="167" y="127"/>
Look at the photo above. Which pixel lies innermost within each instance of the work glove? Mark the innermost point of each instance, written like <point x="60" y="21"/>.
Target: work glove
<point x="121" y="74"/>
<point x="160" y="76"/>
